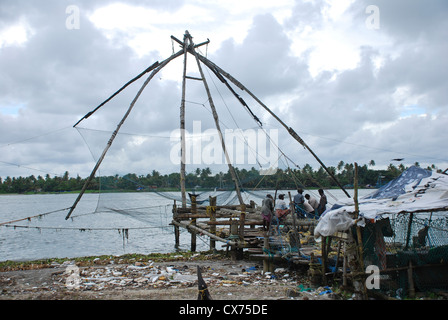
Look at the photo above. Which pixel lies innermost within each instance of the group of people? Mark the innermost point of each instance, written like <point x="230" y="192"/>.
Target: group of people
<point x="304" y="206"/>
<point x="308" y="206"/>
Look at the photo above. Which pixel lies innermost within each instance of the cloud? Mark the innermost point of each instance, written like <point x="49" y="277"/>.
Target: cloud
<point x="352" y="93"/>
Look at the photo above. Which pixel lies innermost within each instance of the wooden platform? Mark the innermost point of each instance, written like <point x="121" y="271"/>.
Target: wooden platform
<point x="237" y="227"/>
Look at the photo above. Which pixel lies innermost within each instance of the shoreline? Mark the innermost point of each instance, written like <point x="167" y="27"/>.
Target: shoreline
<point x="148" y="277"/>
<point x="166" y="190"/>
<point x="171" y="277"/>
<point x="14" y="265"/>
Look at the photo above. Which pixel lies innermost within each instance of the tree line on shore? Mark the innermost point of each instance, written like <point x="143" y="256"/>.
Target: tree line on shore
<point x="305" y="177"/>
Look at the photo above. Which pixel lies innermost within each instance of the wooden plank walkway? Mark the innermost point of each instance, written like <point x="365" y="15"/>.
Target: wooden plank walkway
<point x="237" y="227"/>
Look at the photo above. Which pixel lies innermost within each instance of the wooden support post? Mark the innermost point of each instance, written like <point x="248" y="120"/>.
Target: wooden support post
<point x="296" y="236"/>
<point x="268" y="263"/>
<point x="337" y="258"/>
<point x="358" y="271"/>
<point x="218" y="127"/>
<point x="233" y="236"/>
<point x="411" y="287"/>
<point x="182" y="125"/>
<point x="193" y="222"/>
<point x="358" y="228"/>
<point x="291" y="131"/>
<point x="212" y="201"/>
<point x="344" y="267"/>
<point x="252" y="206"/>
<point x="197" y="229"/>
<point x="242" y="220"/>
<point x="408" y="235"/>
<point x="324" y="259"/>
<point x="176" y="228"/>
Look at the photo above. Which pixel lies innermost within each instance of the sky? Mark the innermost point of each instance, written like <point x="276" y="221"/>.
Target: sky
<point x="357" y="80"/>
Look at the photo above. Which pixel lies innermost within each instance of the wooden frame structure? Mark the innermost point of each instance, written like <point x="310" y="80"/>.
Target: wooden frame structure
<point x="233" y="231"/>
<point x="187" y="46"/>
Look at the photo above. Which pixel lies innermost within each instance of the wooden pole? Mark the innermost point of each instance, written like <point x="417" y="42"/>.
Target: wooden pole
<point x="242" y="222"/>
<point x="197" y="229"/>
<point x="336" y="266"/>
<point x="324" y="260"/>
<point x="193" y="222"/>
<point x="114" y="134"/>
<point x="218" y="127"/>
<point x="268" y="263"/>
<point x="182" y="126"/>
<point x="294" y="222"/>
<point x="344" y="267"/>
<point x="150" y="68"/>
<point x="408" y="235"/>
<point x="234" y="235"/>
<point x="360" y="272"/>
<point x="176" y="228"/>
<point x="411" y="286"/>
<point x="358" y="228"/>
<point x="212" y="201"/>
<point x="291" y="131"/>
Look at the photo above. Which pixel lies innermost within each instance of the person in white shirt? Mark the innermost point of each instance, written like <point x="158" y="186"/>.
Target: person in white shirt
<point x="281" y="209"/>
<point x="312" y="201"/>
<point x="311" y="205"/>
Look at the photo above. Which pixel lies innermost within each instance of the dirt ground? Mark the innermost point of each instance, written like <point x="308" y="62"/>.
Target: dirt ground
<point x="148" y="280"/>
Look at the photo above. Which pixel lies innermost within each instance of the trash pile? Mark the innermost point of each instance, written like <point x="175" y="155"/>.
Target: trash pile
<point x="149" y="275"/>
<point x="321" y="293"/>
<point x="159" y="276"/>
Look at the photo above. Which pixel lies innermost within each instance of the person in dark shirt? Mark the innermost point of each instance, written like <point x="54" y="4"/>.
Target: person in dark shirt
<point x="267" y="211"/>
<point x="322" y="203"/>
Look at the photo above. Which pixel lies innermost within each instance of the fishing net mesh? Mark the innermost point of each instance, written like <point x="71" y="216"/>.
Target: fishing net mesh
<point x="419" y="240"/>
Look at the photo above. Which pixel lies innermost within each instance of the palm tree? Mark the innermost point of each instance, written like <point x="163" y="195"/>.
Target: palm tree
<point x="340" y="165"/>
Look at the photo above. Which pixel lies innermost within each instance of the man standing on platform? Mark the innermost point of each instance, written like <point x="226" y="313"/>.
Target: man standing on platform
<point x="322" y="203"/>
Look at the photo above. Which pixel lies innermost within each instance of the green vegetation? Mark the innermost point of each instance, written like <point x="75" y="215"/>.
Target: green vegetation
<point x="306" y="177"/>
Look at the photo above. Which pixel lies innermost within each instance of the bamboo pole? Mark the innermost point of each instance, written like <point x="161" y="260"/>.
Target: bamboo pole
<point x="114" y="134"/>
<point x="227" y="223"/>
<point x="176" y="228"/>
<point x="182" y="126"/>
<point x="408" y="234"/>
<point x="294" y="222"/>
<point x="358" y="228"/>
<point x="324" y="259"/>
<point x="193" y="222"/>
<point x="291" y="131"/>
<point x="344" y="267"/>
<point x="212" y="201"/>
<point x="150" y="68"/>
<point x="218" y="128"/>
<point x="234" y="235"/>
<point x="360" y="273"/>
<point x="242" y="222"/>
<point x="202" y="231"/>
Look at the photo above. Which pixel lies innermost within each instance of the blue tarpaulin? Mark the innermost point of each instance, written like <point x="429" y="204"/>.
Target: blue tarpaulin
<point x="415" y="190"/>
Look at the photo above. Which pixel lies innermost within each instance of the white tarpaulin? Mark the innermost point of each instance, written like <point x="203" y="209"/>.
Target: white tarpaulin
<point x="415" y="190"/>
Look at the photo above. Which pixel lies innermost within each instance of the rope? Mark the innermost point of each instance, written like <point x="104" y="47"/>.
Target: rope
<point x="32" y="217"/>
<point x="79" y="228"/>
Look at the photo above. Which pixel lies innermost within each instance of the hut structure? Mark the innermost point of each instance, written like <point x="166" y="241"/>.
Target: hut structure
<point x="399" y="230"/>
